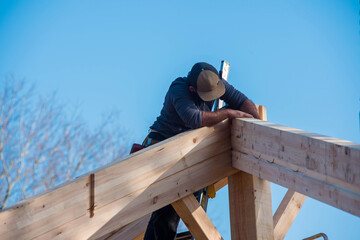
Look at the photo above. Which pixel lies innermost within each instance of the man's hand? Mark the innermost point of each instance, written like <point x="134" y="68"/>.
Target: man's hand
<point x="238" y="114"/>
<point x="249" y="107"/>
<point x="211" y="118"/>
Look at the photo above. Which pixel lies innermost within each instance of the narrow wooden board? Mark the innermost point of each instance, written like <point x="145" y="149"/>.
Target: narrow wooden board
<point x="286" y="213"/>
<point x="195" y="218"/>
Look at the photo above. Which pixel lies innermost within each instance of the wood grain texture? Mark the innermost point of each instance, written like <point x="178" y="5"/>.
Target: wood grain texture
<point x="323" y="168"/>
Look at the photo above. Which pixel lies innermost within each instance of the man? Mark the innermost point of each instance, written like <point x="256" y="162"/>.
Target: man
<point x="187" y="105"/>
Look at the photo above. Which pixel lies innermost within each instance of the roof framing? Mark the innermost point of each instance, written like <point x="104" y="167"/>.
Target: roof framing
<point x="110" y="202"/>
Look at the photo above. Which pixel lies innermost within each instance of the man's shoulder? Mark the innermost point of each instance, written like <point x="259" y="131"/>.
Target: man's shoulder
<point x="180" y="82"/>
<point x="179" y="86"/>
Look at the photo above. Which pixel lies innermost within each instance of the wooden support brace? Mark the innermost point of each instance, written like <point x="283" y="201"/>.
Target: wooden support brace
<point x="286" y="213"/>
<point x="195" y="218"/>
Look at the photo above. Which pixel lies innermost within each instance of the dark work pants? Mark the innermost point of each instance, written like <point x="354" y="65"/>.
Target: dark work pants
<point x="163" y="222"/>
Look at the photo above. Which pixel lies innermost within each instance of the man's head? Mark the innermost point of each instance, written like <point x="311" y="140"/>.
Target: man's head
<point x="205" y="80"/>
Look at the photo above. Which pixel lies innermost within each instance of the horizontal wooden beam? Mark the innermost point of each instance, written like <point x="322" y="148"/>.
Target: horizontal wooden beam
<point x="320" y="167"/>
<point x="286" y="213"/>
<point x="195" y="218"/>
<point x="125" y="190"/>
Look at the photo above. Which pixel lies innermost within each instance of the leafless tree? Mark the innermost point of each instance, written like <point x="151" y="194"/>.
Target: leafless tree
<point x="41" y="146"/>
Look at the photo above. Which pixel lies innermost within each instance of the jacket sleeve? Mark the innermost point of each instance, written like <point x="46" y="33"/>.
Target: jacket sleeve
<point x="233" y="97"/>
<point x="185" y="107"/>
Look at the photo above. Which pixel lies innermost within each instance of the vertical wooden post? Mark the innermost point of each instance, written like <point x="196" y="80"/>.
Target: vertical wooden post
<point x="250" y="204"/>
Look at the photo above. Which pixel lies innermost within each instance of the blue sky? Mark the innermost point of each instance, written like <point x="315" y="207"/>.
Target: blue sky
<point x="301" y="59"/>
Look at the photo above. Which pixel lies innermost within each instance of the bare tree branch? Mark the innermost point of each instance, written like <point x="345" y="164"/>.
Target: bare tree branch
<point x="41" y="146"/>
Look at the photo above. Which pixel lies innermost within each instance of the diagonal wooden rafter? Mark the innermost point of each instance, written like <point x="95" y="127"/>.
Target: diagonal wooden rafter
<point x="195" y="218"/>
<point x="286" y="213"/>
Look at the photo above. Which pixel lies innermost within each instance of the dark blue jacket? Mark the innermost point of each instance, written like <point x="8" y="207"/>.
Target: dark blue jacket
<point x="182" y="109"/>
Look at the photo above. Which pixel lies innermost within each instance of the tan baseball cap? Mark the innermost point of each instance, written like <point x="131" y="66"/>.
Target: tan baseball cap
<point x="205" y="78"/>
<point x="209" y="86"/>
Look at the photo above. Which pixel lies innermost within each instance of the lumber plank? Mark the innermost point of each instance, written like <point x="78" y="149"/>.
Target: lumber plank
<point x="116" y="182"/>
<point x="196" y="219"/>
<point x="286" y="213"/>
<point x="250" y="207"/>
<point x="320" y="167"/>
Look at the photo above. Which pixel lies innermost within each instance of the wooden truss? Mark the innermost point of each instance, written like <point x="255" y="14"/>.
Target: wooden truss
<point x="115" y="201"/>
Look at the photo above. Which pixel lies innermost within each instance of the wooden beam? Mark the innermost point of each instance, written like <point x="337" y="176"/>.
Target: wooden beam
<point x="195" y="218"/>
<point x="125" y="190"/>
<point x="323" y="168"/>
<point x="286" y="213"/>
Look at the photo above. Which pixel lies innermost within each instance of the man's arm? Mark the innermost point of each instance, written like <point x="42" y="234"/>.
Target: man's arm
<point x="212" y="118"/>
<point x="249" y="107"/>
